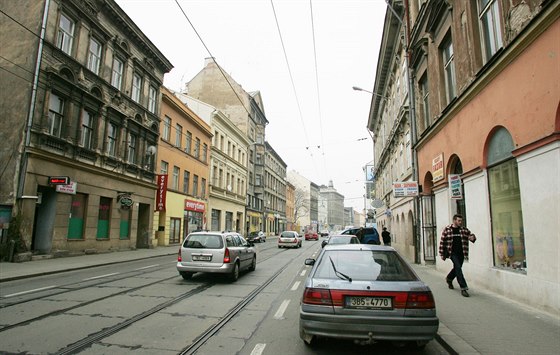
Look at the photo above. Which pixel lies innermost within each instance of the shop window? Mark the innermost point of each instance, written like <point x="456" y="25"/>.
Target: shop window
<point x="216" y="220"/>
<point x="229" y="221"/>
<point x="104" y="219"/>
<point x="508" y="237"/>
<point x="77" y="216"/>
<point x="124" y="228"/>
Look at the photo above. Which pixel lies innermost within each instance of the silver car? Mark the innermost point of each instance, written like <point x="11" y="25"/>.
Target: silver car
<point x="367" y="293"/>
<point x="216" y="252"/>
<point x="289" y="239"/>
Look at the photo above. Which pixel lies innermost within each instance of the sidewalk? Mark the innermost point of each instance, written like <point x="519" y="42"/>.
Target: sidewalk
<point x="485" y="323"/>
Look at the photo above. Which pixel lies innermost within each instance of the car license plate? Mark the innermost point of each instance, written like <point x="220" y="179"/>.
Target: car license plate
<point x="369" y="302"/>
<point x="202" y="257"/>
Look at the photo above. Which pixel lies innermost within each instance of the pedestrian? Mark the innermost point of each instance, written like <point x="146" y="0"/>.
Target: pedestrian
<point x="454" y="244"/>
<point x="386" y="236"/>
<point x="361" y="234"/>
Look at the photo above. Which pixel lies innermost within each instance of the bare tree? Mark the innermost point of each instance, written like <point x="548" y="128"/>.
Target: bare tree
<point x="300" y="205"/>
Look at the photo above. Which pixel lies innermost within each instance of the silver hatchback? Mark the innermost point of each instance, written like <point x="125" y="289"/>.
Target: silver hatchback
<point x="367" y="293"/>
<point x="216" y="252"/>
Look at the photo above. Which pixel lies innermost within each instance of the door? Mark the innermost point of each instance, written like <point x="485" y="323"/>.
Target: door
<point x="429" y="228"/>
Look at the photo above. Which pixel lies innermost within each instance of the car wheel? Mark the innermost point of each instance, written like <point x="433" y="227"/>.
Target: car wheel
<point x="186" y="275"/>
<point x="417" y="345"/>
<point x="234" y="273"/>
<point x="253" y="264"/>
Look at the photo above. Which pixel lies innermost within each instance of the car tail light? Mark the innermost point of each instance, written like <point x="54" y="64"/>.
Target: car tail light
<point x="317" y="296"/>
<point x="227" y="259"/>
<point x="179" y="257"/>
<point x="423" y="300"/>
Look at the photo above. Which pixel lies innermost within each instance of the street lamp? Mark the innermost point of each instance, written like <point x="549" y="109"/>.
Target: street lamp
<point x="371" y="92"/>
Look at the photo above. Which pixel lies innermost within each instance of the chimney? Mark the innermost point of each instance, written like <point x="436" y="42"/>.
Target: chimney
<point x="209" y="60"/>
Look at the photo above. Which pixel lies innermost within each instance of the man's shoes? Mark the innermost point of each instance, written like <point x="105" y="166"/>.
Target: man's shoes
<point x="464" y="293"/>
<point x="449" y="283"/>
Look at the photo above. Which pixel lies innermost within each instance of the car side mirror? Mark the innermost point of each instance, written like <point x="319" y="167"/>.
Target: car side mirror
<point x="309" y="262"/>
<point x="323" y="243"/>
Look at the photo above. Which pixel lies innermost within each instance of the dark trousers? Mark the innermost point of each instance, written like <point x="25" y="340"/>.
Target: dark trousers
<point x="457" y="271"/>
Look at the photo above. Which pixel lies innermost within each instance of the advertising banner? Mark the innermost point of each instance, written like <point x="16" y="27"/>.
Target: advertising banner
<point x="405" y="189"/>
<point x="370" y="176"/>
<point x="196" y="206"/>
<point x="161" y="192"/>
<point x="437" y="168"/>
<point x="455" y="187"/>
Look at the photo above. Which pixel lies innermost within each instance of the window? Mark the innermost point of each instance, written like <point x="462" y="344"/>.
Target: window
<point x="152" y="94"/>
<point x="508" y="235"/>
<point x="87" y="129"/>
<point x="56" y="107"/>
<point x="197" y="148"/>
<point x="176" y="178"/>
<point x="258" y="179"/>
<point x="166" y="128"/>
<point x="186" y="178"/>
<point x="112" y="139"/>
<point x="131" y="152"/>
<point x="203" y="188"/>
<point x="449" y="70"/>
<point x="491" y="32"/>
<point x="204" y="152"/>
<point x="117" y="76"/>
<point x="229" y="221"/>
<point x="425" y="95"/>
<point x="178" y="135"/>
<point x="136" y="87"/>
<point x="94" y="55"/>
<point x="216" y="219"/>
<point x="164" y="169"/>
<point x="65" y="34"/>
<point x="195" y="185"/>
<point x="104" y="219"/>
<point x="188" y="143"/>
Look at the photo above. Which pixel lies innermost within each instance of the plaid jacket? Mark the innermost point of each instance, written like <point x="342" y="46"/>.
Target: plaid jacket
<point x="446" y="241"/>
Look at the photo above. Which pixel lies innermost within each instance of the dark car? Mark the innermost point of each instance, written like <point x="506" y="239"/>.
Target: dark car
<point x="366" y="293"/>
<point x="256" y="236"/>
<point x="340" y="239"/>
<point x="369" y="235"/>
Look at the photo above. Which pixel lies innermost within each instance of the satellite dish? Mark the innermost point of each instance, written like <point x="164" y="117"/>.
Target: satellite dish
<point x="376" y="203"/>
<point x="151" y="150"/>
<point x="229" y="187"/>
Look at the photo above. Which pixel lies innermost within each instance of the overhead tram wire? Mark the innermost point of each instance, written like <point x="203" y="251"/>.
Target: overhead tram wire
<point x="293" y="85"/>
<point x="317" y="84"/>
<point x="213" y="58"/>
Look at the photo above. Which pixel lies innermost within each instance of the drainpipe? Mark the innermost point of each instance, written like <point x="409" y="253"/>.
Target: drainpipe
<point x="23" y="168"/>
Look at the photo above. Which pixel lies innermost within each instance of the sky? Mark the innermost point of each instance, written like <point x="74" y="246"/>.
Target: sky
<point x="303" y="56"/>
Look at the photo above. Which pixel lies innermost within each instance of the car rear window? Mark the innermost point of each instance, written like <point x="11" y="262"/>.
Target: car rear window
<point x="287" y="235"/>
<point x="204" y="241"/>
<point x="364" y="265"/>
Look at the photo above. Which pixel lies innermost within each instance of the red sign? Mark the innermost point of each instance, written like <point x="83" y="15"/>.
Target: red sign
<point x="196" y="206"/>
<point x="59" y="180"/>
<point x="161" y="192"/>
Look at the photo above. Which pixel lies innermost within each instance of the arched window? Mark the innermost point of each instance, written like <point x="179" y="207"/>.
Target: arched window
<point x="505" y="203"/>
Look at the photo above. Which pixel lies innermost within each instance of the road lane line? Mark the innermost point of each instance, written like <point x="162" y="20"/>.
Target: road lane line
<point x="295" y="286"/>
<point x="147" y="267"/>
<point x="98" y="277"/>
<point x="30" y="291"/>
<point x="258" y="349"/>
<point x="302" y="273"/>
<point x="280" y="312"/>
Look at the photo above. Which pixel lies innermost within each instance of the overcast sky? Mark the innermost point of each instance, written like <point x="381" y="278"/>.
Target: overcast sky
<point x="318" y="130"/>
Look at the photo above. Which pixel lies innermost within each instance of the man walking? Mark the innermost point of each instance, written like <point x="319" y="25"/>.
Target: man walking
<point x="386" y="236"/>
<point x="454" y="244"/>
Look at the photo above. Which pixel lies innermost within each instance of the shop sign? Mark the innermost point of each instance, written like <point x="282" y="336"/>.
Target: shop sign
<point x="437" y="168"/>
<point x="161" y="192"/>
<point x="71" y="188"/>
<point x="455" y="187"/>
<point x="405" y="189"/>
<point x="196" y="206"/>
<point x="59" y="180"/>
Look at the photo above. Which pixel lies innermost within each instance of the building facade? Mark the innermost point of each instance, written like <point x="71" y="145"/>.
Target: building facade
<point x="488" y="122"/>
<point x="334" y="205"/>
<point x="290" y="210"/>
<point x="274" y="192"/>
<point x="183" y="160"/>
<point x="84" y="110"/>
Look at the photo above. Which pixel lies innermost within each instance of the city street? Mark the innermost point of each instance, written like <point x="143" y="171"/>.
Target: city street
<point x="145" y="307"/>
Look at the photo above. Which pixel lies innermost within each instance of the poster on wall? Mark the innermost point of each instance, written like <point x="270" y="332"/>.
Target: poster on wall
<point x="370" y="175"/>
<point x="437" y="168"/>
<point x="455" y="187"/>
<point x="161" y="192"/>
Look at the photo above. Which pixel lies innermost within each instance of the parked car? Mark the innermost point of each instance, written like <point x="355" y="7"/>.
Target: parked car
<point x="324" y="233"/>
<point x="289" y="239"/>
<point x="340" y="239"/>
<point x="216" y="252"/>
<point x="256" y="236"/>
<point x="370" y="235"/>
<point x="366" y="293"/>
<point x="311" y="234"/>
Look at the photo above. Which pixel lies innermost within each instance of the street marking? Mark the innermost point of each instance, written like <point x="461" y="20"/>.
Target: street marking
<point x="258" y="349"/>
<point x="280" y="312"/>
<point x="98" y="277"/>
<point x="302" y="273"/>
<point x="147" y="267"/>
<point x="24" y="292"/>
<point x="295" y="286"/>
